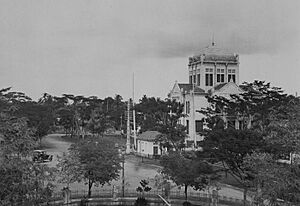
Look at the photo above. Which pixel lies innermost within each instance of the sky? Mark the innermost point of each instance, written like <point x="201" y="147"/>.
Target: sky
<point x="93" y="47"/>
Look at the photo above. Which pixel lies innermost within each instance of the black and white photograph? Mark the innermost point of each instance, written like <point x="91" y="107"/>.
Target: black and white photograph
<point x="150" y="102"/>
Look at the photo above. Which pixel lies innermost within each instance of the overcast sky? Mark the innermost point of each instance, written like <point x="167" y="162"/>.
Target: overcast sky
<point x="88" y="47"/>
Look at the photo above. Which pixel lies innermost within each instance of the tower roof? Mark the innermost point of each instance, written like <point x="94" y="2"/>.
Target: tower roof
<point x="213" y="53"/>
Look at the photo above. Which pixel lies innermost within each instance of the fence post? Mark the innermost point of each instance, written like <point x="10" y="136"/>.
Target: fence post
<point x="66" y="195"/>
<point x="114" y="192"/>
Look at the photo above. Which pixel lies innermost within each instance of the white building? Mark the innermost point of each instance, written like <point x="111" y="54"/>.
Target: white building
<point x="147" y="145"/>
<point x="214" y="71"/>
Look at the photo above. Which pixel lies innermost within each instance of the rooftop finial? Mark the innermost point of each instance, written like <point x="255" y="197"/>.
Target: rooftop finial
<point x="213" y="40"/>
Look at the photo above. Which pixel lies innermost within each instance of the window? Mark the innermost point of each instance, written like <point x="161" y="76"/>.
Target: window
<point x="199" y="125"/>
<point x="220" y="75"/>
<point x="241" y="125"/>
<point x="231" y="75"/>
<point x="187" y="126"/>
<point x="187" y="109"/>
<point x="209" y="79"/>
<point x="209" y="76"/>
<point x="198" y="79"/>
<point x="231" y="124"/>
<point x="231" y="71"/>
<point x="191" y="78"/>
<point x="220" y="78"/>
<point x="194" y="79"/>
<point x="155" y="150"/>
<point x="209" y="70"/>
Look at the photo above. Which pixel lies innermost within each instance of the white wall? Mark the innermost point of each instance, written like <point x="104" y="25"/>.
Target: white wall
<point x="199" y="102"/>
<point x="146" y="147"/>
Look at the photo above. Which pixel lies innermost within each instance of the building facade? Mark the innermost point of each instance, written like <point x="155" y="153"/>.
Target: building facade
<point x="214" y="71"/>
<point x="147" y="145"/>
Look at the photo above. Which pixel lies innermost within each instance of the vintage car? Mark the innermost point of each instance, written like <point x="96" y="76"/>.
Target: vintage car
<point x="41" y="156"/>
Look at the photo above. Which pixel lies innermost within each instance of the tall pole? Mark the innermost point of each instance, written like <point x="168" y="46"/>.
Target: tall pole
<point x="133" y="114"/>
<point x="121" y="126"/>
<point x="123" y="176"/>
<point x="193" y="116"/>
<point x="128" y="128"/>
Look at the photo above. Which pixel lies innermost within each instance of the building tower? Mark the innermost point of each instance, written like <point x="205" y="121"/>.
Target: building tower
<point x="213" y="71"/>
<point x="213" y="66"/>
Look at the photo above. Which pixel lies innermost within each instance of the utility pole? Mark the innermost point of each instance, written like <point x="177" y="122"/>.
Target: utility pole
<point x="133" y="114"/>
<point x="121" y="126"/>
<point x="193" y="116"/>
<point x="123" y="175"/>
<point x="128" y="128"/>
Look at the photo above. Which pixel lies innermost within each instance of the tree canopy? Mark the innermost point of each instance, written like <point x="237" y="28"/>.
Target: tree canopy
<point x="186" y="170"/>
<point x="162" y="116"/>
<point x="96" y="162"/>
<point x="261" y="120"/>
<point x="23" y="182"/>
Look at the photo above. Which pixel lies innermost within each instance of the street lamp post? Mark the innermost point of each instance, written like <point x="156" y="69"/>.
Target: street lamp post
<point x="123" y="173"/>
<point x="122" y="153"/>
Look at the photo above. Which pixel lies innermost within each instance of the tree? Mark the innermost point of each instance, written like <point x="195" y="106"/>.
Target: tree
<point x="282" y="134"/>
<point x="231" y="146"/>
<point x="154" y="112"/>
<point x="18" y="138"/>
<point x="39" y="117"/>
<point x="141" y="201"/>
<point x="66" y="119"/>
<point x="163" y="116"/>
<point x="97" y="162"/>
<point x="117" y="111"/>
<point x="186" y="170"/>
<point x="146" y="113"/>
<point x="274" y="180"/>
<point x="25" y="183"/>
<point x="69" y="168"/>
<point x="254" y="108"/>
<point x="99" y="121"/>
<point x="9" y="101"/>
<point x="172" y="136"/>
<point x="261" y="113"/>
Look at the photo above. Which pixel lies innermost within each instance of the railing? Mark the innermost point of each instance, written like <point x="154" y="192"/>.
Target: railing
<point x="149" y="156"/>
<point x="199" y="197"/>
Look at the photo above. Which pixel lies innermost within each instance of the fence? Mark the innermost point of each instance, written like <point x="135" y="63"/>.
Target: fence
<point x="130" y="195"/>
<point x="148" y="156"/>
